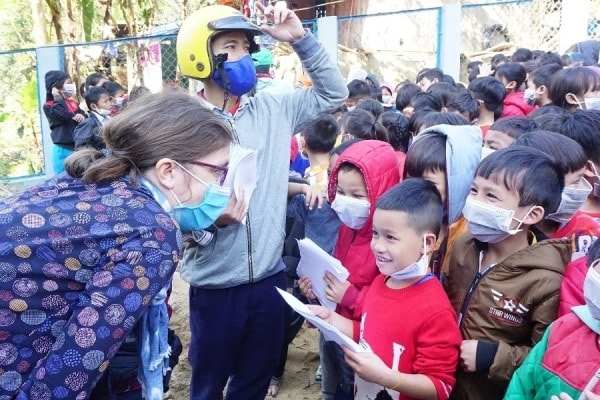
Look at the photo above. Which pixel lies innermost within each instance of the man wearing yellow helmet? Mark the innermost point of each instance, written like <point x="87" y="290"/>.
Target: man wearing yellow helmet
<point x="236" y="316"/>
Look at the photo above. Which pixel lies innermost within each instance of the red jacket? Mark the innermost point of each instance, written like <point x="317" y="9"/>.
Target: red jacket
<point x="514" y="106"/>
<point x="571" y="287"/>
<point x="378" y="164"/>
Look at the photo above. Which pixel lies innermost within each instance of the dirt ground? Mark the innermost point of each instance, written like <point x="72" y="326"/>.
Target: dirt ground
<point x="303" y="356"/>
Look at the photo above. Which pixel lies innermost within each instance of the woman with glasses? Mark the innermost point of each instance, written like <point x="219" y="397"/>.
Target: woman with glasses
<point x="86" y="257"/>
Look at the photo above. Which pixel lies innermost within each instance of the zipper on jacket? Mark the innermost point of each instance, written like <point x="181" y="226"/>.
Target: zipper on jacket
<point x="250" y="262"/>
<point x="476" y="280"/>
<point x="590" y="385"/>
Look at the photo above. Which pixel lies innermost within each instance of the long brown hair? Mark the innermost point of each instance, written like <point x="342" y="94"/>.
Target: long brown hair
<point x="169" y="124"/>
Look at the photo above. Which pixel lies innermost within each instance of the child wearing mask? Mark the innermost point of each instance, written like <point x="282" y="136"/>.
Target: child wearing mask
<point x="513" y="75"/>
<point x="87" y="133"/>
<point x="504" y="132"/>
<point x="565" y="361"/>
<point x="504" y="288"/>
<point x="447" y="156"/>
<point x="575" y="88"/>
<point x="488" y="92"/>
<point x="63" y="114"/>
<point x="538" y="83"/>
<point x="361" y="174"/>
<point x="415" y="345"/>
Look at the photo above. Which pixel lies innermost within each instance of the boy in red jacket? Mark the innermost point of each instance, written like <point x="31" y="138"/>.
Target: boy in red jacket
<point x="407" y="320"/>
<point x="512" y="76"/>
<point x="361" y="174"/>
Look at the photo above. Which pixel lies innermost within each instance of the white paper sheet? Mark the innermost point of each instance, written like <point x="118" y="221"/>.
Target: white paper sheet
<point x="329" y="331"/>
<point x="314" y="261"/>
<point x="243" y="172"/>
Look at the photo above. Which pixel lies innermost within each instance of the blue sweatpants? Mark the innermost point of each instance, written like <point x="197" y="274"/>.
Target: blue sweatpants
<point x="236" y="335"/>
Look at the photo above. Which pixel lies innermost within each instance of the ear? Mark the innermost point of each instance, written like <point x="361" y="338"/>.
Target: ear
<point x="590" y="170"/>
<point x="164" y="173"/>
<point x="543" y="90"/>
<point x="572" y="99"/>
<point x="430" y="241"/>
<point x="512" y="85"/>
<point x="535" y="215"/>
<point x="444" y="110"/>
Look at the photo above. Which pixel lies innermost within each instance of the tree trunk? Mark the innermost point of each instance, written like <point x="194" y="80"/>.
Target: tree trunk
<point x="54" y="6"/>
<point x="40" y="34"/>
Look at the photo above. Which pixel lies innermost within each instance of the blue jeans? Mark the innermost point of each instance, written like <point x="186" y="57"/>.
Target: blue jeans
<point x="338" y="378"/>
<point x="59" y="155"/>
<point x="236" y="336"/>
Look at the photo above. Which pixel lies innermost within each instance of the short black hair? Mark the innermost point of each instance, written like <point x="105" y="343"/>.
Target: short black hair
<point x="514" y="126"/>
<point x="424" y="101"/>
<point x="363" y="125"/>
<point x="421" y="202"/>
<point x="567" y="153"/>
<point x="497" y="60"/>
<point x="541" y="76"/>
<point x="404" y="94"/>
<point x="373" y="83"/>
<point x="548" y="117"/>
<point x="112" y="87"/>
<point x="582" y="126"/>
<point x="343" y="146"/>
<point x="490" y="90"/>
<point x="320" y="133"/>
<point x="463" y="103"/>
<point x="521" y="55"/>
<point x="93" y="94"/>
<point x="442" y="118"/>
<point x="430" y="74"/>
<point x="372" y="106"/>
<point x="535" y="176"/>
<point x="512" y="72"/>
<point x="358" y="88"/>
<point x="549" y="58"/>
<point x="426" y="154"/>
<point x="443" y="90"/>
<point x="474" y="66"/>
<point x="449" y="79"/>
<point x="397" y="127"/>
<point x="576" y="80"/>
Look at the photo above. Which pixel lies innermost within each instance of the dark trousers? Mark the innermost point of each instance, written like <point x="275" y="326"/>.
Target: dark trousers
<point x="236" y="335"/>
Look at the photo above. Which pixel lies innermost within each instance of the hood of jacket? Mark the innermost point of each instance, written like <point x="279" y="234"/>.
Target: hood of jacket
<point x="52" y="78"/>
<point x="378" y="164"/>
<point x="463" y="155"/>
<point x="514" y="105"/>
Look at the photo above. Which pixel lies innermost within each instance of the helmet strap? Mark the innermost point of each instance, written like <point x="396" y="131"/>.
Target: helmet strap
<point x="220" y="66"/>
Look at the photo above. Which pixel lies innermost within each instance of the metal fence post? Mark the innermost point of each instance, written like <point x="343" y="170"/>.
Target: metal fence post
<point x="574" y="22"/>
<point x="327" y="33"/>
<point x="449" y="40"/>
<point x="48" y="58"/>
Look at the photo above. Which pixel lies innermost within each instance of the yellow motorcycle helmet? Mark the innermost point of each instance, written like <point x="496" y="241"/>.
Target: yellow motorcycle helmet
<point x="194" y="54"/>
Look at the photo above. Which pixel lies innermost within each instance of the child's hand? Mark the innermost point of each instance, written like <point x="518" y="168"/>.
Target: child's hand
<point x="322" y="312"/>
<point x="313" y="196"/>
<point x="78" y="118"/>
<point x="305" y="286"/>
<point x="335" y="289"/>
<point x="366" y="365"/>
<point x="468" y="352"/>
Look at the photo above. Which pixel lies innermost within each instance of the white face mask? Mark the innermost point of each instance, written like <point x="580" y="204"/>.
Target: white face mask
<point x="352" y="212"/>
<point x="351" y="108"/>
<point x="571" y="201"/>
<point x="103" y="112"/>
<point x="486" y="151"/>
<point x="591" y="291"/>
<point x="488" y="223"/>
<point x="529" y="96"/>
<point x="416" y="269"/>
<point x="592" y="104"/>
<point x="68" y="90"/>
<point x="387" y="99"/>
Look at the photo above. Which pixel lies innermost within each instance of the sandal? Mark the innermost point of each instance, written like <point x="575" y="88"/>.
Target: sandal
<point x="274" y="386"/>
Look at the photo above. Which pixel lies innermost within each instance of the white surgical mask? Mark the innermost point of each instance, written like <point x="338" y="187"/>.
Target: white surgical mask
<point x="352" y="212"/>
<point x="119" y="101"/>
<point x="486" y="151"/>
<point x="571" y="201"/>
<point x="591" y="291"/>
<point x="387" y="99"/>
<point x="416" y="269"/>
<point x="488" y="223"/>
<point x="350" y="108"/>
<point x="103" y="112"/>
<point x="529" y="96"/>
<point x="68" y="90"/>
<point x="592" y="104"/>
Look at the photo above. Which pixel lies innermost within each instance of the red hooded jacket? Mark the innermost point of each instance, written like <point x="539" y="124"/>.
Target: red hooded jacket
<point x="514" y="106"/>
<point x="378" y="164"/>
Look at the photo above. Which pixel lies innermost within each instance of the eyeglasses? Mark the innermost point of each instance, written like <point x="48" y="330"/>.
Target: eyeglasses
<point x="221" y="170"/>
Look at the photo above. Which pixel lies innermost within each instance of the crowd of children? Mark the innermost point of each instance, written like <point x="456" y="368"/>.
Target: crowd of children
<point x="467" y="216"/>
<point x="470" y="275"/>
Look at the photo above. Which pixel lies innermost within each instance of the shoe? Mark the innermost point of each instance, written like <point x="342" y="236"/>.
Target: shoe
<point x="274" y="386"/>
<point x="319" y="374"/>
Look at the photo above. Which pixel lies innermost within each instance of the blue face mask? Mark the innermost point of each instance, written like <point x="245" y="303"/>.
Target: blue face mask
<point x="203" y="215"/>
<point x="241" y="74"/>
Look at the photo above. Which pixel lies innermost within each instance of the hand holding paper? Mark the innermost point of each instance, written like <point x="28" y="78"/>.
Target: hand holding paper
<point x="243" y="173"/>
<point x="314" y="262"/>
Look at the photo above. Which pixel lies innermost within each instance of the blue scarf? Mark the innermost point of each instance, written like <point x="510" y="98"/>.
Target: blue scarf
<point x="154" y="346"/>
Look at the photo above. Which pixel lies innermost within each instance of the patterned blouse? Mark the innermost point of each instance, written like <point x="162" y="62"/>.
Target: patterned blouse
<point x="79" y="264"/>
